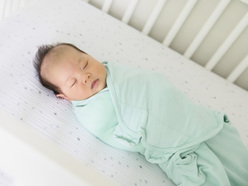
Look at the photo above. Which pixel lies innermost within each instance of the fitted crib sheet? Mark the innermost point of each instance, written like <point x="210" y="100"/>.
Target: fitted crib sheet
<point x="106" y="39"/>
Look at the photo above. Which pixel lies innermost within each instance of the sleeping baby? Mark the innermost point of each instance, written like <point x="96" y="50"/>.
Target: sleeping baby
<point x="140" y="111"/>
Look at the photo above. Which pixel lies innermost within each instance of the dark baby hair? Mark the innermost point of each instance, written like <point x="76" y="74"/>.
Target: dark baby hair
<point x="38" y="60"/>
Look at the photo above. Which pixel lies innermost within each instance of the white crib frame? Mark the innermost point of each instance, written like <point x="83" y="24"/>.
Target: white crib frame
<point x="10" y="6"/>
<point x="237" y="71"/>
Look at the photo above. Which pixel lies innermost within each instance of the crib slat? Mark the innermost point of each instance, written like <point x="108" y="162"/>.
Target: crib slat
<point x="15" y="6"/>
<point x="179" y="22"/>
<point x="10" y="6"/>
<point x="2" y="8"/>
<point x="238" y="70"/>
<point x="206" y="28"/>
<point x="153" y="17"/>
<point x="19" y="4"/>
<point x="7" y="7"/>
<point x="106" y="5"/>
<point x="227" y="43"/>
<point x="129" y="11"/>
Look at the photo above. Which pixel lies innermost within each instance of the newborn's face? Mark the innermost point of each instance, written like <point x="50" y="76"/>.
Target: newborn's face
<point x="78" y="75"/>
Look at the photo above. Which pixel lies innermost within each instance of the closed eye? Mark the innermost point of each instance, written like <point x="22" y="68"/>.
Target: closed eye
<point x="74" y="83"/>
<point x="85" y="65"/>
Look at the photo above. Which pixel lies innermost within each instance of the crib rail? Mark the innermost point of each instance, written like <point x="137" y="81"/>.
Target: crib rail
<point x="213" y="33"/>
<point x="230" y="57"/>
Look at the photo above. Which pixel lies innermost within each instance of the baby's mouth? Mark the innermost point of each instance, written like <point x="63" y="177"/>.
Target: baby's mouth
<point x="95" y="84"/>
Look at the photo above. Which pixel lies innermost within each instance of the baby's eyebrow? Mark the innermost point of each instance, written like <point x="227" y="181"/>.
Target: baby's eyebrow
<point x="81" y="58"/>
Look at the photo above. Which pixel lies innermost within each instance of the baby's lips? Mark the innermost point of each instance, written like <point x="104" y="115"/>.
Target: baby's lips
<point x="95" y="84"/>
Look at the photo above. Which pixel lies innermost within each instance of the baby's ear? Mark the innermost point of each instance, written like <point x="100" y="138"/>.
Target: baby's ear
<point x="63" y="97"/>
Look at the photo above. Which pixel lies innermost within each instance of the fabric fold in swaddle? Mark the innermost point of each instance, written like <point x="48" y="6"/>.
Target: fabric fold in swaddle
<point x="149" y="107"/>
<point x="98" y="116"/>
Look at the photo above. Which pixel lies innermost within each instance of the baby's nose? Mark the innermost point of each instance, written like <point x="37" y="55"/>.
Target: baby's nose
<point x="86" y="78"/>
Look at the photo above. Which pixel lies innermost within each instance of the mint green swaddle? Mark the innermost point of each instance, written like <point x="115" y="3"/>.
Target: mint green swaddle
<point x="141" y="111"/>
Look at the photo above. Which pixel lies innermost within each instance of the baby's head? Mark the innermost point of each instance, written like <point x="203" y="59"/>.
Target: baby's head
<point x="69" y="72"/>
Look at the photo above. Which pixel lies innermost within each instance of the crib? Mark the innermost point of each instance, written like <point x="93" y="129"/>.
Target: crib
<point x="44" y="132"/>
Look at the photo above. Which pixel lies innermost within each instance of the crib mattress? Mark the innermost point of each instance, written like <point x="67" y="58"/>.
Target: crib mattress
<point x="106" y="39"/>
